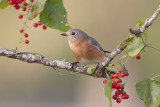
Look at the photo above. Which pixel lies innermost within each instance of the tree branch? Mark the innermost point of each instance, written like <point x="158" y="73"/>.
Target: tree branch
<point x="136" y="32"/>
<point x="99" y="73"/>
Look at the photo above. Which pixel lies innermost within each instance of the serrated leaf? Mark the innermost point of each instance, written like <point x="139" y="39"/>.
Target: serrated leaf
<point x="4" y="4"/>
<point x="54" y="15"/>
<point x="108" y="91"/>
<point x="37" y="7"/>
<point x="149" y="92"/>
<point x="91" y="70"/>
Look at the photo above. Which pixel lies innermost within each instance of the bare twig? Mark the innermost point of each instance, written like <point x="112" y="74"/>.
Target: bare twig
<point x="147" y="23"/>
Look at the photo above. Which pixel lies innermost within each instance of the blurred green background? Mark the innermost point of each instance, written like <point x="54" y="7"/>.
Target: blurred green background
<point x="33" y="85"/>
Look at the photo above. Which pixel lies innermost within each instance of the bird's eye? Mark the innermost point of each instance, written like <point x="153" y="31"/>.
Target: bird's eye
<point x="73" y="33"/>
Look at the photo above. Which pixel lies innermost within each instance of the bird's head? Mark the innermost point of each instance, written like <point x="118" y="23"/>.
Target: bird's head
<point x="75" y="34"/>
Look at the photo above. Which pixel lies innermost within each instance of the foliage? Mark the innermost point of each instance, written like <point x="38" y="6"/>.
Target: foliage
<point x="54" y="15"/>
<point x="149" y="92"/>
<point x="3" y="4"/>
<point x="136" y="44"/>
<point x="107" y="89"/>
<point x="91" y="70"/>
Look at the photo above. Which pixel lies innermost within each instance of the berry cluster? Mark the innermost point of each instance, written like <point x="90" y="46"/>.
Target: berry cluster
<point x="39" y="23"/>
<point x="118" y="86"/>
<point x="16" y="4"/>
<point x="26" y="7"/>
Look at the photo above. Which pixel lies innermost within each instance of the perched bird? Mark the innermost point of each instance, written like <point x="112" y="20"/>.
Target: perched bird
<point x="85" y="49"/>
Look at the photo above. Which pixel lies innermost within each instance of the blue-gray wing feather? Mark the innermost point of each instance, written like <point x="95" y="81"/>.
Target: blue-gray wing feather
<point x="96" y="44"/>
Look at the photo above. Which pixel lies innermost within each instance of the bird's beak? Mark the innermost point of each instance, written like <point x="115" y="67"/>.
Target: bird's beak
<point x="64" y="34"/>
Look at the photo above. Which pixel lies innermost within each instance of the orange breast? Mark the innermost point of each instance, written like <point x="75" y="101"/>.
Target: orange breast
<point x="82" y="50"/>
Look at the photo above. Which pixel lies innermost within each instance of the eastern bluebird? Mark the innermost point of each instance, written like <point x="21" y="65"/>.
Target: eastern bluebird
<point x="85" y="48"/>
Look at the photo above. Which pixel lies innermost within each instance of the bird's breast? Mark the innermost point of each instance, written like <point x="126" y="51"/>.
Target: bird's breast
<point x="84" y="52"/>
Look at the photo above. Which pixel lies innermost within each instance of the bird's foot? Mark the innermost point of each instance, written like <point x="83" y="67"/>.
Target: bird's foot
<point x="74" y="64"/>
<point x="97" y="66"/>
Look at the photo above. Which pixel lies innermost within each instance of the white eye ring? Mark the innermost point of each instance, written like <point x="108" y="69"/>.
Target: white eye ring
<point x="73" y="33"/>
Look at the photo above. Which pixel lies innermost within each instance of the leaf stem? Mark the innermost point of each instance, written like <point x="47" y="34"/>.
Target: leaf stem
<point x="155" y="77"/>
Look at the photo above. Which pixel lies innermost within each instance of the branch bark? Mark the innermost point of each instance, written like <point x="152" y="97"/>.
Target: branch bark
<point x="99" y="73"/>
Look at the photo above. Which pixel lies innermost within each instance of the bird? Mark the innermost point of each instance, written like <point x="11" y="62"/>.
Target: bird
<point x="85" y="49"/>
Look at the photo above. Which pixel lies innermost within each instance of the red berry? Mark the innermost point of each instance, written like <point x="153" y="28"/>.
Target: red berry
<point x="35" y="24"/>
<point x="119" y="80"/>
<point x="138" y="57"/>
<point x="118" y="100"/>
<point x="126" y="73"/>
<point x="112" y="86"/>
<point x="114" y="97"/>
<point x="11" y="2"/>
<point x="115" y="75"/>
<point x="20" y="16"/>
<point x="114" y="82"/>
<point x="16" y="6"/>
<point x="32" y="0"/>
<point x="39" y="23"/>
<point x="44" y="27"/>
<point x="21" y="30"/>
<point x="24" y="8"/>
<point x="26" y="35"/>
<point x="125" y="96"/>
<point x="159" y="105"/>
<point x="104" y="81"/>
<point x="120" y="70"/>
<point x="123" y="93"/>
<point x="25" y="4"/>
<point x="27" y="41"/>
<point x="121" y="87"/>
<point x="118" y="92"/>
<point x="122" y="75"/>
<point x="117" y="87"/>
<point x="112" y="75"/>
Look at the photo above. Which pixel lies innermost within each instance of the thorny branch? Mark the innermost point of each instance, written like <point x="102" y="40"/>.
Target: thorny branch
<point x="99" y="73"/>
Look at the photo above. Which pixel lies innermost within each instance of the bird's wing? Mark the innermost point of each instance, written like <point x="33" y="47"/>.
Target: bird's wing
<point x="93" y="42"/>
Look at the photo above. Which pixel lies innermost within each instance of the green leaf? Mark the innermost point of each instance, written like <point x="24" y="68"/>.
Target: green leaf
<point x="3" y="4"/>
<point x="108" y="91"/>
<point x="37" y="7"/>
<point x="54" y="15"/>
<point x="149" y="92"/>
<point x="140" y="22"/>
<point x="91" y="70"/>
<point x="136" y="45"/>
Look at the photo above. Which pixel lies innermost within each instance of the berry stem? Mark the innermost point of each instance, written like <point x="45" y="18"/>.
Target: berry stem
<point x="125" y="81"/>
